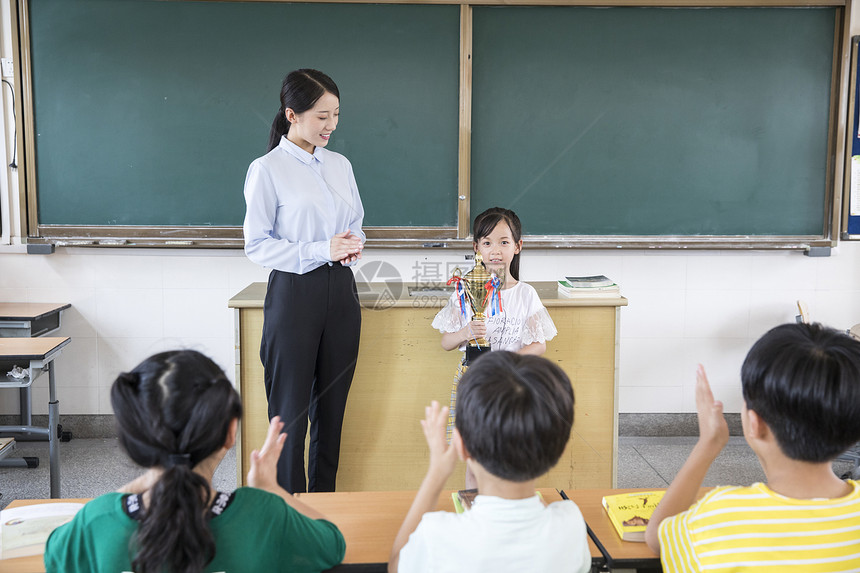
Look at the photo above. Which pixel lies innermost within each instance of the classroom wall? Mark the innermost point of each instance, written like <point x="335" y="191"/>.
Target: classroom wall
<point x="684" y="307"/>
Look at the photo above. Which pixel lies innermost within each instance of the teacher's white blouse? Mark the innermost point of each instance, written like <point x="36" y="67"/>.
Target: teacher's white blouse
<point x="297" y="201"/>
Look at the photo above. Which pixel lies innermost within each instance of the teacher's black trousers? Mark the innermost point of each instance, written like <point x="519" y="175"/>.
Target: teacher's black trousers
<point x="309" y="347"/>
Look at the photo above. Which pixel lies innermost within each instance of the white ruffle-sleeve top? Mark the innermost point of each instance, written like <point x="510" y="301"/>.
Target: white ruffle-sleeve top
<point x="523" y="319"/>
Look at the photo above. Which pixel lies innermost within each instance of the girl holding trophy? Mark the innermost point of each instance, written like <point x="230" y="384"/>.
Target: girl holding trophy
<point x="516" y="320"/>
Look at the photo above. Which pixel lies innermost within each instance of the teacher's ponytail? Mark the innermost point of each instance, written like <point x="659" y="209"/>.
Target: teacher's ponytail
<point x="299" y="92"/>
<point x="280" y="127"/>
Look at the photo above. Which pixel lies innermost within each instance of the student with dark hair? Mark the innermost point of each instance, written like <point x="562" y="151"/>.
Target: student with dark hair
<point x="518" y="323"/>
<point x="522" y="324"/>
<point x="515" y="414"/>
<point x="801" y="388"/>
<point x="177" y="415"/>
<point x="303" y="220"/>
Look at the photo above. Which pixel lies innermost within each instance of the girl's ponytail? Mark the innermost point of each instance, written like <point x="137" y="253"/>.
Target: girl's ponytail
<point x="173" y="412"/>
<point x="174" y="532"/>
<point x="515" y="266"/>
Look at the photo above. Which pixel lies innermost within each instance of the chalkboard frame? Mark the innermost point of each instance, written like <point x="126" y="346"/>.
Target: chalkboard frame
<point x="851" y="223"/>
<point x="230" y="237"/>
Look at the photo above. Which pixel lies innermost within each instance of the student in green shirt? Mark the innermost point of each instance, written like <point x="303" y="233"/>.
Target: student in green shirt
<point x="177" y="415"/>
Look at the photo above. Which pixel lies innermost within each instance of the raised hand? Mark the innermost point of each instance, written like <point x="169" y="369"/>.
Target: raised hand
<point x="443" y="456"/>
<point x="713" y="428"/>
<point x="264" y="462"/>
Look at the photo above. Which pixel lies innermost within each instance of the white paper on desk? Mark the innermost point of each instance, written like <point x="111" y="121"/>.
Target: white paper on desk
<point x="24" y="530"/>
<point x="854" y="199"/>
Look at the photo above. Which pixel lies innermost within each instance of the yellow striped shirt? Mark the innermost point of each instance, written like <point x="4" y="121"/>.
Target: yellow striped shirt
<point x="755" y="528"/>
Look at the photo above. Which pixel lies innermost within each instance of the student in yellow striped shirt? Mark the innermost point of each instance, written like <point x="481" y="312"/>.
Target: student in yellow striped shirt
<point x="801" y="388"/>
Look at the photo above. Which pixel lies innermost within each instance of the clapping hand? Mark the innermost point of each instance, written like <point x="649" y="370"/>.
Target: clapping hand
<point x="264" y="462"/>
<point x="443" y="456"/>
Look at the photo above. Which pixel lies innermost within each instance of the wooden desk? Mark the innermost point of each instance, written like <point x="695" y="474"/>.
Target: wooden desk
<point x="27" y="320"/>
<point x="402" y="367"/>
<point x="620" y="554"/>
<point x="369" y="521"/>
<point x="38" y="355"/>
<point x="33" y="563"/>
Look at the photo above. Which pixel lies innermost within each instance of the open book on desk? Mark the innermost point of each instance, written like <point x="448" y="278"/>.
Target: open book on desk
<point x="25" y="530"/>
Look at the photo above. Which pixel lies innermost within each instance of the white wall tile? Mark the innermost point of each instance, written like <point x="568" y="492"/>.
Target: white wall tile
<point x="40" y="397"/>
<point x="241" y="272"/>
<point x="774" y="271"/>
<point x="721" y="357"/>
<point x="15" y="270"/>
<point x="220" y="350"/>
<point x="651" y="400"/>
<point x="717" y="270"/>
<point x="104" y="401"/>
<point x="12" y="294"/>
<point x="654" y="313"/>
<point x="651" y="362"/>
<point x="197" y="313"/>
<point x="837" y="308"/>
<point x="123" y="354"/>
<point x="841" y="270"/>
<point x="195" y="273"/>
<point x="77" y="365"/>
<point x="78" y="400"/>
<point x="128" y="305"/>
<point x="9" y="401"/>
<point x="127" y="272"/>
<point x="731" y="397"/>
<point x="551" y="265"/>
<point x="130" y="313"/>
<point x="60" y="270"/>
<point x="658" y="272"/>
<point x="720" y="313"/>
<point x="774" y="307"/>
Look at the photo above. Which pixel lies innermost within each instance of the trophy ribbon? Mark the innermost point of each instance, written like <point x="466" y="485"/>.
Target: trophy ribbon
<point x="494" y="295"/>
<point x="460" y="289"/>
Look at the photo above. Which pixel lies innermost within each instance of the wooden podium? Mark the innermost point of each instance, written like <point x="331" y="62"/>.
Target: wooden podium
<point x="402" y="367"/>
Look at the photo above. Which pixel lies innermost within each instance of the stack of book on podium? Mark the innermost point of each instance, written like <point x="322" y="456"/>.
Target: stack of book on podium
<point x="598" y="286"/>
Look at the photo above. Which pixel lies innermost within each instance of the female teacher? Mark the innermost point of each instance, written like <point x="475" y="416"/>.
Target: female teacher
<point x="303" y="220"/>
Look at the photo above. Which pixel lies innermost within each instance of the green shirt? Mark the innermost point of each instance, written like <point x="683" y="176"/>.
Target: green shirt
<point x="257" y="531"/>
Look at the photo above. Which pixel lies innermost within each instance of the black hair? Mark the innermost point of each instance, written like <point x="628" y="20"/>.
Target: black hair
<point x="487" y="221"/>
<point x="173" y="411"/>
<point x="803" y="380"/>
<point x="514" y="414"/>
<point x="300" y="90"/>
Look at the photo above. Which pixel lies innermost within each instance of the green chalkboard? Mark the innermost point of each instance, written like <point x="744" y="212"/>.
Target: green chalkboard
<point x="653" y="121"/>
<point x="148" y="112"/>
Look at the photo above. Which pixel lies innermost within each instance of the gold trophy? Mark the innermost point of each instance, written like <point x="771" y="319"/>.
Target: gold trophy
<point x="480" y="286"/>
